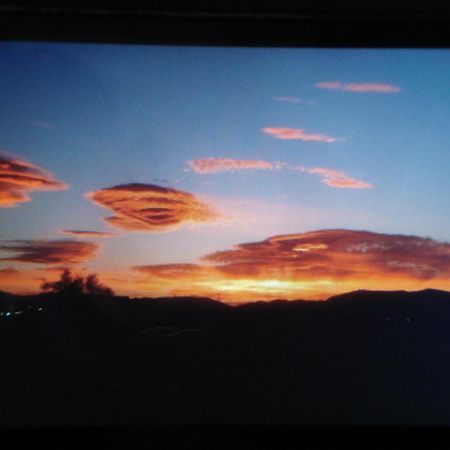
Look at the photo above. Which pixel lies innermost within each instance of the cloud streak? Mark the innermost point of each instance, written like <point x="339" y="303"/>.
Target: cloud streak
<point x="178" y="271"/>
<point x="151" y="208"/>
<point x="214" y="165"/>
<point x="286" y="99"/>
<point x="336" y="178"/>
<point x="18" y="177"/>
<point x="331" y="177"/>
<point x="93" y="234"/>
<point x="380" y="88"/>
<point x="298" y="134"/>
<point x="41" y="124"/>
<point x="48" y="252"/>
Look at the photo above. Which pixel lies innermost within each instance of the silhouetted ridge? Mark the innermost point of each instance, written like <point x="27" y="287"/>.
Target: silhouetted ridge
<point x="366" y="296"/>
<point x="187" y="302"/>
<point x="364" y="357"/>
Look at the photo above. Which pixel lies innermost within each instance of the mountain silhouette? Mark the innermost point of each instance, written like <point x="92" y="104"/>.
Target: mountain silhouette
<point x="366" y="296"/>
<point x="360" y="358"/>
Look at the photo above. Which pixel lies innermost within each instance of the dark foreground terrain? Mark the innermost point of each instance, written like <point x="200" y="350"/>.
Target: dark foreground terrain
<point x="361" y="358"/>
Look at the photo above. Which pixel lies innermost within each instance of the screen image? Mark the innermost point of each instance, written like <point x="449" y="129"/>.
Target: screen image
<point x="202" y="235"/>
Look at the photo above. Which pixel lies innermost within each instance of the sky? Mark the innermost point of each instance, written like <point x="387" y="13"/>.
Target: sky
<point x="237" y="173"/>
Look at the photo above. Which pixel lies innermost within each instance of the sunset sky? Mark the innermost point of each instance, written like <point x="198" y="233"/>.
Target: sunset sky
<point x="238" y="173"/>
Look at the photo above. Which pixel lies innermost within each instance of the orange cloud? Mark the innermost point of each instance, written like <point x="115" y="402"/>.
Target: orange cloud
<point x="18" y="177"/>
<point x="336" y="178"/>
<point x="308" y="265"/>
<point x="214" y="165"/>
<point x="146" y="207"/>
<point x="171" y="279"/>
<point x="340" y="254"/>
<point x="359" y="87"/>
<point x="297" y="134"/>
<point x="93" y="234"/>
<point x="177" y="271"/>
<point x="48" y="252"/>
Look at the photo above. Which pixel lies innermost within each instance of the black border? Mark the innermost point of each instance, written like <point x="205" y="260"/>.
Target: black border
<point x="231" y="437"/>
<point x="317" y="23"/>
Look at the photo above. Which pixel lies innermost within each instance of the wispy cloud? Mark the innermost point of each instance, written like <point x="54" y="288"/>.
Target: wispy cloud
<point x="298" y="134"/>
<point x="146" y="207"/>
<point x="41" y="124"/>
<point x="48" y="252"/>
<point x="93" y="234"/>
<point x="214" y="165"/>
<point x="293" y="100"/>
<point x="331" y="177"/>
<point x="18" y="177"/>
<point x="381" y="88"/>
<point x="336" y="178"/>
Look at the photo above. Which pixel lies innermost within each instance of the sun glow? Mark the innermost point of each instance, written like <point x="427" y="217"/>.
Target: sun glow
<point x="262" y="287"/>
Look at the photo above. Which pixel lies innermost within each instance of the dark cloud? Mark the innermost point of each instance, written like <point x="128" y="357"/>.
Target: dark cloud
<point x="48" y="252"/>
<point x="8" y="271"/>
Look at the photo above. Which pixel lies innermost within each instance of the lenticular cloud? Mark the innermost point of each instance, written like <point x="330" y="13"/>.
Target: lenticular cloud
<point x="146" y="207"/>
<point x="18" y="178"/>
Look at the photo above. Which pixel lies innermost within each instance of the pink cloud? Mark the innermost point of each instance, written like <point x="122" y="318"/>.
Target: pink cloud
<point x="336" y="178"/>
<point x="330" y="85"/>
<point x="382" y="88"/>
<point x="213" y="165"/>
<point x="331" y="177"/>
<point x="297" y="134"/>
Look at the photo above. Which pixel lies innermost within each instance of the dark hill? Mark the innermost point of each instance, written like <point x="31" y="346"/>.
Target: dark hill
<point x="365" y="296"/>
<point x="362" y="358"/>
<point x="428" y="304"/>
<point x="188" y="303"/>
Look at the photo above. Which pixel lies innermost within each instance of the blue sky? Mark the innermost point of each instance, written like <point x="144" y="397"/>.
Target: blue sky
<point x="97" y="116"/>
